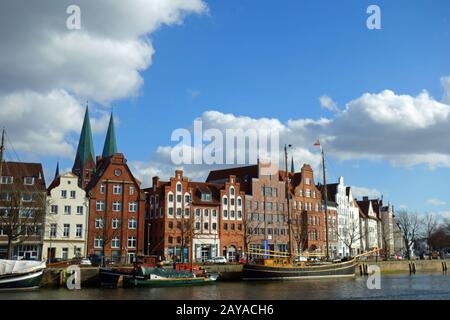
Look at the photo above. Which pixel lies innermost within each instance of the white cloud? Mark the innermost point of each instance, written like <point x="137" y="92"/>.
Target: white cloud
<point x="193" y="93"/>
<point x="436" y="202"/>
<point x="328" y="103"/>
<point x="46" y="68"/>
<point x="359" y="192"/>
<point x="445" y="81"/>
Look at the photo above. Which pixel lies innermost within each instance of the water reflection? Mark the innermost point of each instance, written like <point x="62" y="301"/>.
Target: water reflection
<point x="425" y="286"/>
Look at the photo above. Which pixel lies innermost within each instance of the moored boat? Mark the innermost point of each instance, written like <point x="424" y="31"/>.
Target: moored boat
<point x="20" y="274"/>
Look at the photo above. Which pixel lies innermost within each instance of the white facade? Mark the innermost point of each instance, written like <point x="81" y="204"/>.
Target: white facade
<point x="66" y="219"/>
<point x="387" y="229"/>
<point x="371" y="229"/>
<point x="348" y="221"/>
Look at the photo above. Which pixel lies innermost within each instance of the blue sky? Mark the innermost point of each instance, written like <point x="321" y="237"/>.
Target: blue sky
<point x="274" y="59"/>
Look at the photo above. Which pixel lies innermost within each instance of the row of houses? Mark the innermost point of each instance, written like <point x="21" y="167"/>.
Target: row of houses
<point x="101" y="209"/>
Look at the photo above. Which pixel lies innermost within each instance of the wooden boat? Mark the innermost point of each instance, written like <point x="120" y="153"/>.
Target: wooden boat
<point x="150" y="277"/>
<point x="20" y="274"/>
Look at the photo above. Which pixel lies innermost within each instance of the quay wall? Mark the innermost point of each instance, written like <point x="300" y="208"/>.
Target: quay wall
<point x="55" y="277"/>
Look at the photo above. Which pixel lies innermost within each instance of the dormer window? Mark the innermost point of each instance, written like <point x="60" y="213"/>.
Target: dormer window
<point x="6" y="180"/>
<point x="206" y="197"/>
<point x="307" y="181"/>
<point x="29" y="181"/>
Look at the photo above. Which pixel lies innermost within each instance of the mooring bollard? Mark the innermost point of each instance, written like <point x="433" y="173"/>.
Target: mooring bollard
<point x="414" y="267"/>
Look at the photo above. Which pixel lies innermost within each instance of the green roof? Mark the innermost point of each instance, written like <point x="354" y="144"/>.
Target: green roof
<point x="110" y="147"/>
<point x="85" y="145"/>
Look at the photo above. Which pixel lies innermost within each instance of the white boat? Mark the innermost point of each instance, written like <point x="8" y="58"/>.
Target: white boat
<point x="21" y="274"/>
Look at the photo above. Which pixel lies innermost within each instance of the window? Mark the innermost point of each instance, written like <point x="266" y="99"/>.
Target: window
<point x="53" y="230"/>
<point x="225" y="213"/>
<point x="197" y="212"/>
<point x="131" y="242"/>
<point x="178" y="240"/>
<point x="115" y="242"/>
<point x="98" y="242"/>
<point x="170" y="239"/>
<point x="79" y="209"/>
<point x="67" y="209"/>
<point x="232" y="214"/>
<point x="27" y="197"/>
<point x="102" y="188"/>
<point x="54" y="209"/>
<point x="132" y="224"/>
<point x="100" y="205"/>
<point x="178" y="198"/>
<point x="131" y="190"/>
<point x="225" y="226"/>
<point x="232" y="226"/>
<point x="206" y="212"/>
<point x="187" y="213"/>
<point x="187" y="198"/>
<point x="73" y="194"/>
<point x="307" y="181"/>
<point x="206" y="226"/>
<point x="99" y="223"/>
<point x="117" y="206"/>
<point x="29" y="181"/>
<point x="240" y="227"/>
<point x="178" y="187"/>
<point x="232" y="191"/>
<point x="65" y="253"/>
<point x="170" y="197"/>
<point x="214" y="226"/>
<point x="170" y="212"/>
<point x="117" y="189"/>
<point x="308" y="193"/>
<point x="115" y="223"/>
<point x="132" y="207"/>
<point x="214" y="213"/>
<point x="232" y="201"/>
<point x="79" y="231"/>
<point x="206" y="196"/>
<point x="268" y="191"/>
<point x="63" y="194"/>
<point x="66" y="230"/>
<point x="239" y="202"/>
<point x="117" y="172"/>
<point x="275" y="192"/>
<point x="178" y="212"/>
<point x="6" y="180"/>
<point x="225" y="201"/>
<point x="197" y="226"/>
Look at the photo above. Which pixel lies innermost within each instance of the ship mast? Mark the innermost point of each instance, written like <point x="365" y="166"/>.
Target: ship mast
<point x="325" y="195"/>
<point x="2" y="148"/>
<point x="291" y="252"/>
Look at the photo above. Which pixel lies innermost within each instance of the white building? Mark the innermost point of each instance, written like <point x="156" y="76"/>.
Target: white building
<point x="370" y="224"/>
<point x="387" y="229"/>
<point x="66" y="219"/>
<point x="348" y="218"/>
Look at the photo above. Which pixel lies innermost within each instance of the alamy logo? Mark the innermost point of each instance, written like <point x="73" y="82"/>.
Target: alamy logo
<point x="374" y="279"/>
<point x="237" y="146"/>
<point x="374" y="20"/>
<point x="74" y="280"/>
<point x="73" y="22"/>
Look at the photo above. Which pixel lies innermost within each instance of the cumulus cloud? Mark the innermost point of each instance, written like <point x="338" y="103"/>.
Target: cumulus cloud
<point x="359" y="192"/>
<point x="46" y="68"/>
<point x="445" y="81"/>
<point x="328" y="103"/>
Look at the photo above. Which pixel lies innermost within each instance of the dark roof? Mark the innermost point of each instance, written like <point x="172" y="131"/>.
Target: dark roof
<point x="203" y="187"/>
<point x="244" y="176"/>
<point x="331" y="191"/>
<point x="347" y="191"/>
<point x="85" y="150"/>
<point x="20" y="170"/>
<point x="363" y="208"/>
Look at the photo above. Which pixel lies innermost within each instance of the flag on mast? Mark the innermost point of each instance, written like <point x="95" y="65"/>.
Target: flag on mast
<point x="317" y="143"/>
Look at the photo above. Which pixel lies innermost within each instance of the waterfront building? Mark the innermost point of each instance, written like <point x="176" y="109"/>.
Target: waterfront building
<point x="387" y="229"/>
<point x="116" y="206"/>
<point x="207" y="217"/>
<point x="348" y="234"/>
<point x="22" y="209"/>
<point x="66" y="219"/>
<point x="370" y="224"/>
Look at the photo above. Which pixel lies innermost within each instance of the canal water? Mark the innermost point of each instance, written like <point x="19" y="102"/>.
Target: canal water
<point x="393" y="287"/>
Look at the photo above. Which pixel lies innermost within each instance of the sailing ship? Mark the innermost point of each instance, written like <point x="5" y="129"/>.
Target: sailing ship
<point x="273" y="265"/>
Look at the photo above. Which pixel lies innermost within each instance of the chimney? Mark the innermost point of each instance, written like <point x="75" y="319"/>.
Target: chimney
<point x="365" y="198"/>
<point x="179" y="174"/>
<point x="155" y="181"/>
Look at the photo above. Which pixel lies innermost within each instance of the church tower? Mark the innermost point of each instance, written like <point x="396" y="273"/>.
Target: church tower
<point x="84" y="165"/>
<point x="110" y="147"/>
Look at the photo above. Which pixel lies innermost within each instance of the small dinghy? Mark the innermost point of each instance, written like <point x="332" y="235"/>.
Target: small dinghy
<point x="20" y="274"/>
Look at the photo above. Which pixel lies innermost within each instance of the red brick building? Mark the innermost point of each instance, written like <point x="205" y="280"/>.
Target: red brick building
<point x="116" y="202"/>
<point x="196" y="220"/>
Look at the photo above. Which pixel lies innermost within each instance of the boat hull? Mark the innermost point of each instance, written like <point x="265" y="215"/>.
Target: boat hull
<point x="22" y="281"/>
<point x="263" y="272"/>
<point x="135" y="283"/>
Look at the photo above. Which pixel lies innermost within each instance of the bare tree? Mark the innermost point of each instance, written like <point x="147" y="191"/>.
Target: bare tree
<point x="430" y="226"/>
<point x="300" y="231"/>
<point x="350" y="235"/>
<point x="107" y="232"/>
<point x="249" y="234"/>
<point x="20" y="218"/>
<point x="186" y="228"/>
<point x="409" y="224"/>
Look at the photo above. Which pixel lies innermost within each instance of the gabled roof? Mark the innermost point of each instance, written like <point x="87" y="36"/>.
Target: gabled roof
<point x="244" y="176"/>
<point x="203" y="187"/>
<point x="20" y="170"/>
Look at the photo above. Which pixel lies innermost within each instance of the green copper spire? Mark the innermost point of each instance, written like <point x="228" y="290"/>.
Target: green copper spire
<point x="85" y="150"/>
<point x="292" y="165"/>
<point x="110" y="147"/>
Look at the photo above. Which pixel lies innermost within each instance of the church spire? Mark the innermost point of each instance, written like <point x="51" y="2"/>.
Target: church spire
<point x="57" y="170"/>
<point x="84" y="159"/>
<point x="110" y="147"/>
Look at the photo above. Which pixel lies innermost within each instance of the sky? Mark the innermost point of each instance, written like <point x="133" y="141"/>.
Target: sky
<point x="379" y="100"/>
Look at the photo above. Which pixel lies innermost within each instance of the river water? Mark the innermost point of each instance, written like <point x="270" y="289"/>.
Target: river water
<point x="393" y="287"/>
